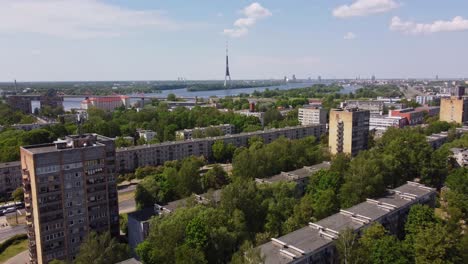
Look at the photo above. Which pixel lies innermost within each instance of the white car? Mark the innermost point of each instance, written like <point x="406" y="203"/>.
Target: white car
<point x="9" y="210"/>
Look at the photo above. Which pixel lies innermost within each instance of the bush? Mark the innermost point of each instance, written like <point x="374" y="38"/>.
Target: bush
<point x="11" y="241"/>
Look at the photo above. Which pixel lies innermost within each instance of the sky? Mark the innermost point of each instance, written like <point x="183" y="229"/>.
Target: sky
<point x="97" y="40"/>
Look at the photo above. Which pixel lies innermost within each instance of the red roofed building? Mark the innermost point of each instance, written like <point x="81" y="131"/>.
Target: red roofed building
<point x="107" y="103"/>
<point x="414" y="117"/>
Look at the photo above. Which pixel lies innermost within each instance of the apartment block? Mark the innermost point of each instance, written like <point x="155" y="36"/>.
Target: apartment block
<point x="460" y="155"/>
<point x="23" y="102"/>
<point x="10" y="178"/>
<point x="70" y="190"/>
<point x="348" y="130"/>
<point x="259" y="115"/>
<point x="139" y="221"/>
<point x="226" y="129"/>
<point x="130" y="158"/>
<point x="413" y="116"/>
<point x="300" y="176"/>
<point x="430" y="110"/>
<point x="148" y="135"/>
<point x="315" y="242"/>
<point x="380" y="122"/>
<point x="374" y="106"/>
<point x="106" y="103"/>
<point x="454" y="109"/>
<point x="310" y="116"/>
<point x="427" y="99"/>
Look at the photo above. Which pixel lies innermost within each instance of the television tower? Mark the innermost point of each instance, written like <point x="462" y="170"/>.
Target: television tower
<point x="227" y="69"/>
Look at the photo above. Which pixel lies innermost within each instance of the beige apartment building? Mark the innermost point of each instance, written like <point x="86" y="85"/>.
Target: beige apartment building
<point x="348" y="130"/>
<point x="454" y="109"/>
<point x="70" y="190"/>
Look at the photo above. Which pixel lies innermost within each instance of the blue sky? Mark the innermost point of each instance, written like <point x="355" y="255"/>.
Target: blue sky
<point x="64" y="40"/>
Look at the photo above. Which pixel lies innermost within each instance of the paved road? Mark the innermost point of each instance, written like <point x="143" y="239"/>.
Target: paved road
<point x="128" y="188"/>
<point x="7" y="231"/>
<point x="127" y="206"/>
<point x="21" y="258"/>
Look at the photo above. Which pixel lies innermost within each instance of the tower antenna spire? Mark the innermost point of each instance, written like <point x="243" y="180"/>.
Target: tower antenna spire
<point x="227" y="75"/>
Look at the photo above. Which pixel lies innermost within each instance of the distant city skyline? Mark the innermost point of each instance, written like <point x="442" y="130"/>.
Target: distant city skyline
<point x="118" y="40"/>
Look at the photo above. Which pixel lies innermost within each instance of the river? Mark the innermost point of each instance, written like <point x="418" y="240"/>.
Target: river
<point x="74" y="102"/>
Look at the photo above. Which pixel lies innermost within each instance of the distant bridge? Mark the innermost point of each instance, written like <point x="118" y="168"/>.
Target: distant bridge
<point x="129" y="96"/>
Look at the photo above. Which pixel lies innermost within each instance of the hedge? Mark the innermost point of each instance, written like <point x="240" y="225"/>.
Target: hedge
<point x="12" y="240"/>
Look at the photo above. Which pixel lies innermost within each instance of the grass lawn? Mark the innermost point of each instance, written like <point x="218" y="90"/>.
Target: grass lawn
<point x="14" y="250"/>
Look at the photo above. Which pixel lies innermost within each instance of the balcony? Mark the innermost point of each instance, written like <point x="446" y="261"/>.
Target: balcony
<point x="32" y="244"/>
<point x="31" y="234"/>
<point x="29" y="219"/>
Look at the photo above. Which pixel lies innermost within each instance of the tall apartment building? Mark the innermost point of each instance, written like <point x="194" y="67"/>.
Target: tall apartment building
<point x="311" y="116"/>
<point x="70" y="190"/>
<point x="454" y="109"/>
<point x="348" y="130"/>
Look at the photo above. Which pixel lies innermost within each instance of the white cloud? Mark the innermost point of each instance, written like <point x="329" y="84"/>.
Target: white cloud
<point x="236" y="32"/>
<point x="245" y="22"/>
<point x="364" y="8"/>
<point x="458" y="23"/>
<point x="256" y="11"/>
<point x="252" y="14"/>
<point x="349" y="36"/>
<point x="76" y="18"/>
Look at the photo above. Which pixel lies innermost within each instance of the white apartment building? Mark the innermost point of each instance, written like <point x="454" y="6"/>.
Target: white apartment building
<point x="148" y="135"/>
<point x="310" y="116"/>
<point x="186" y="134"/>
<point x="381" y="122"/>
<point x="106" y="103"/>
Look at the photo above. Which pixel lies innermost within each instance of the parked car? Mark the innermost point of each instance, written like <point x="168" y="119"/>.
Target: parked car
<point x="9" y="210"/>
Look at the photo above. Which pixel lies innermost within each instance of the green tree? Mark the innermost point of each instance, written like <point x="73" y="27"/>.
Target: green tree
<point x="213" y="132"/>
<point x="123" y="221"/>
<point x="434" y="244"/>
<point x="188" y="177"/>
<point x="171" y="97"/>
<point x="18" y="194"/>
<point x="363" y="179"/>
<point x="219" y="151"/>
<point x="101" y="249"/>
<point x="347" y="246"/>
<point x="215" y="178"/>
<point x="185" y="254"/>
<point x="377" y="246"/>
<point x="303" y="213"/>
<point x="272" y="115"/>
<point x="248" y="254"/>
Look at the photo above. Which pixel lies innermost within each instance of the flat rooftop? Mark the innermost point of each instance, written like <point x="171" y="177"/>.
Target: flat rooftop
<point x="204" y="198"/>
<point x="10" y="164"/>
<point x="301" y="173"/>
<point x="216" y="138"/>
<point x="315" y="236"/>
<point x="91" y="140"/>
